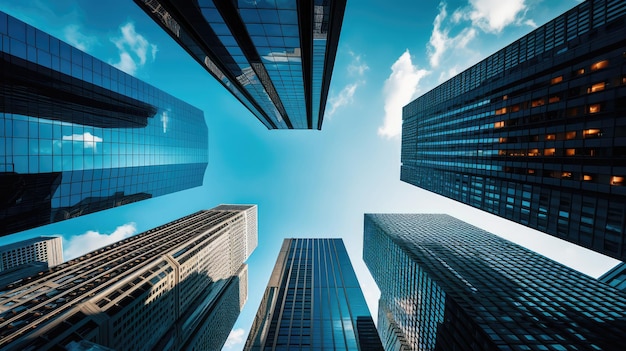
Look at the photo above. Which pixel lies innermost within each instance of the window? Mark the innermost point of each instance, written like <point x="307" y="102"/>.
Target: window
<point x="595" y="108"/>
<point x="554" y="99"/>
<point x="549" y="152"/>
<point x="599" y="65"/>
<point x="596" y="87"/>
<point x="579" y="72"/>
<point x="537" y="103"/>
<point x="533" y="152"/>
<point x="591" y="133"/>
<point x="617" y="180"/>
<point x="570" y="152"/>
<point x="501" y="111"/>
<point x="570" y="135"/>
<point x="556" y="80"/>
<point x="498" y="124"/>
<point x="587" y="177"/>
<point x="550" y="136"/>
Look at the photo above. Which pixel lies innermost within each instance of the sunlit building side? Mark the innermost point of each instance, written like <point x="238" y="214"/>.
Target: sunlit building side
<point x="536" y="132"/>
<point x="447" y="285"/>
<point x="179" y="286"/>
<point x="313" y="301"/>
<point x="77" y="135"/>
<point x="276" y="57"/>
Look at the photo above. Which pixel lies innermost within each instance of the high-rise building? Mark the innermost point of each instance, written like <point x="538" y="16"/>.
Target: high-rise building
<point x="447" y="285"/>
<point x="535" y="133"/>
<point x="48" y="250"/>
<point x="78" y="135"/>
<point x="313" y="301"/>
<point x="616" y="277"/>
<point x="276" y="57"/>
<point x="179" y="286"/>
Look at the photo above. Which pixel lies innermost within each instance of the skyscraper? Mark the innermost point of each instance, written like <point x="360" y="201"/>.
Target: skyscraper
<point x="78" y="136"/>
<point x="313" y="301"/>
<point x="275" y="57"/>
<point x="179" y="286"/>
<point x="48" y="250"/>
<point x="447" y="285"/>
<point x="535" y="133"/>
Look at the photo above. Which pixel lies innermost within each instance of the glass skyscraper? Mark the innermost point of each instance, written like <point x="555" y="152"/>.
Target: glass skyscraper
<point x="179" y="286"/>
<point x="535" y="133"/>
<point x="78" y="135"/>
<point x="447" y="285"/>
<point x="276" y="57"/>
<point x="313" y="301"/>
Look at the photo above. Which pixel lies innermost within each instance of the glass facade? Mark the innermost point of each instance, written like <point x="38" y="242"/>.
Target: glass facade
<point x="79" y="136"/>
<point x="313" y="301"/>
<point x="536" y="132"/>
<point x="276" y="57"/>
<point x="616" y="277"/>
<point x="179" y="286"/>
<point x="447" y="285"/>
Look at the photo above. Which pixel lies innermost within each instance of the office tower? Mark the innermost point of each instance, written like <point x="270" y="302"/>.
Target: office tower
<point x="276" y="57"/>
<point x="313" y="301"/>
<point x="616" y="277"/>
<point x="78" y="136"/>
<point x="447" y="285"/>
<point x="179" y="286"/>
<point x="535" y="132"/>
<point x="48" y="250"/>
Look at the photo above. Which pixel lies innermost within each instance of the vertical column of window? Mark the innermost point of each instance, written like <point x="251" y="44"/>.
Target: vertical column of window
<point x="328" y="314"/>
<point x="598" y="14"/>
<point x="615" y="9"/>
<point x="559" y="31"/>
<point x="572" y="25"/>
<point x="614" y="229"/>
<point x="240" y="65"/>
<point x="526" y="204"/>
<point x="564" y="207"/>
<point x="276" y="37"/>
<point x="587" y="221"/>
<point x="321" y="14"/>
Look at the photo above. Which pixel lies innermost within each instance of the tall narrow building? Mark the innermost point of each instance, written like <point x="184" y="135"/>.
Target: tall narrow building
<point x="447" y="285"/>
<point x="48" y="250"/>
<point x="179" y="286"/>
<point x="79" y="136"/>
<point x="276" y="57"/>
<point x="313" y="301"/>
<point x="535" y="133"/>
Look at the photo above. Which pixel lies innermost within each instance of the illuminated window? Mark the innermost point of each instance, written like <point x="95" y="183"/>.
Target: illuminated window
<point x="531" y="171"/>
<point x="549" y="152"/>
<point x="570" y="152"/>
<point x="591" y="133"/>
<point x="498" y="124"/>
<point x="596" y="87"/>
<point x="599" y="65"/>
<point x="501" y="152"/>
<point x="502" y="140"/>
<point x="550" y="136"/>
<point x="570" y="135"/>
<point x="501" y="111"/>
<point x="505" y="97"/>
<point x="554" y="98"/>
<point x="579" y="72"/>
<point x="595" y="108"/>
<point x="515" y="108"/>
<point x="537" y="103"/>
<point x="617" y="180"/>
<point x="556" y="80"/>
<point x="587" y="177"/>
<point x="533" y="152"/>
<point x="566" y="175"/>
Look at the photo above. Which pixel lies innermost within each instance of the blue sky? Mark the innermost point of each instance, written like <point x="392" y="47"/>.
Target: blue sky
<point x="306" y="183"/>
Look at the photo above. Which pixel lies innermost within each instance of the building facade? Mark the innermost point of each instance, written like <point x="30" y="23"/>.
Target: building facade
<point x="179" y="286"/>
<point x="447" y="285"/>
<point x="313" y="301"/>
<point x="535" y="133"/>
<point x="616" y="277"/>
<point x="48" y="250"/>
<point x="78" y="135"/>
<point x="276" y="58"/>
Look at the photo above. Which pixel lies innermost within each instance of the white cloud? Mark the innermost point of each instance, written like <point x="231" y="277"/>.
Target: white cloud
<point x="440" y="40"/>
<point x="235" y="338"/>
<point x="79" y="245"/>
<point x="399" y="89"/>
<point x="345" y="97"/>
<point x="357" y="69"/>
<point x="76" y="38"/>
<point x="493" y="15"/>
<point x="89" y="141"/>
<point x="133" y="49"/>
